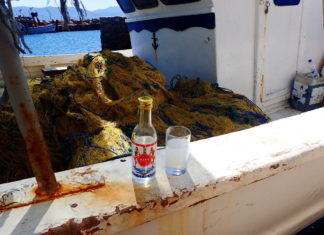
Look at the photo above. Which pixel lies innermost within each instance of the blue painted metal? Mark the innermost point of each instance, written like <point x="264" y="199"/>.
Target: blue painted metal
<point x="176" y="2"/>
<point x="126" y="6"/>
<point x="145" y="4"/>
<point x="286" y="2"/>
<point x="179" y="23"/>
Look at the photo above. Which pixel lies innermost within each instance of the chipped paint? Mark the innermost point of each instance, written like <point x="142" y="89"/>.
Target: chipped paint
<point x="87" y="226"/>
<point x="86" y="172"/>
<point x="236" y="179"/>
<point x="74" y="205"/>
<point x="28" y="194"/>
<point x="274" y="166"/>
<point x="62" y="191"/>
<point x="120" y="204"/>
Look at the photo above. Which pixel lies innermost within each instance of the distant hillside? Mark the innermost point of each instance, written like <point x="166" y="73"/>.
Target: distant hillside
<point x="49" y="13"/>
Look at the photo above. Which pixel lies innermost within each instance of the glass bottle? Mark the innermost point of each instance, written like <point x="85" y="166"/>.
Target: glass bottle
<point x="313" y="71"/>
<point x="144" y="143"/>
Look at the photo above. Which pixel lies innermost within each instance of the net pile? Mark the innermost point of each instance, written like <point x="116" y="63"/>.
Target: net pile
<point x="88" y="114"/>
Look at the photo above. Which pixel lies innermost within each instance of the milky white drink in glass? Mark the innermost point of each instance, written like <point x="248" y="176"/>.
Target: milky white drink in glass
<point x="177" y="150"/>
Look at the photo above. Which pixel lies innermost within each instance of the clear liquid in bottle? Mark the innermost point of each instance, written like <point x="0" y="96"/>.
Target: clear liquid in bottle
<point x="144" y="144"/>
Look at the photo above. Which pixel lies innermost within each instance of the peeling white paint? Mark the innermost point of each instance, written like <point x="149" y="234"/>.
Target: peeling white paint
<point x="218" y="167"/>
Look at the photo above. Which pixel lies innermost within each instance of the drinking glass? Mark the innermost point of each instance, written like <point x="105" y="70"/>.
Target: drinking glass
<point x="177" y="149"/>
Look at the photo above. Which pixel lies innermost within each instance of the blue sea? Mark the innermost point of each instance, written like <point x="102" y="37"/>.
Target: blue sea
<point x="63" y="43"/>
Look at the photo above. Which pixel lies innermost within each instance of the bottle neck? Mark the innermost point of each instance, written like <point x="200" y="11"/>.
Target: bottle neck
<point x="145" y="117"/>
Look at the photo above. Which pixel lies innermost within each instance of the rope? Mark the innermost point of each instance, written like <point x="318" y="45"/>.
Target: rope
<point x="87" y="140"/>
<point x="14" y="28"/>
<point x="175" y="80"/>
<point x="72" y="99"/>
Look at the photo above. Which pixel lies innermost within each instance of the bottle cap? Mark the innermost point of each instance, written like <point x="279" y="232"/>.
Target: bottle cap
<point x="145" y="102"/>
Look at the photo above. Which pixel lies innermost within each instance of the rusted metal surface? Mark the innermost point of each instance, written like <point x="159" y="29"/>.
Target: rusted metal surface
<point x="286" y="209"/>
<point x="29" y="194"/>
<point x="25" y="113"/>
<point x="261" y="51"/>
<point x="275" y="166"/>
<point x="87" y="226"/>
<point x="135" y="214"/>
<point x="38" y="153"/>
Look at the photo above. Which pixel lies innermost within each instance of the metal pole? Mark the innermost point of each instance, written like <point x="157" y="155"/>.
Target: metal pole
<point x="23" y="107"/>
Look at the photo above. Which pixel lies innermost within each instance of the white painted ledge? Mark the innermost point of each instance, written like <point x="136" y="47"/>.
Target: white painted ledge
<point x="251" y="167"/>
<point x="33" y="65"/>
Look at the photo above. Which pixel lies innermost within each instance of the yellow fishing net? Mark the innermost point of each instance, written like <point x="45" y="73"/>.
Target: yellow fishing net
<point x="88" y="114"/>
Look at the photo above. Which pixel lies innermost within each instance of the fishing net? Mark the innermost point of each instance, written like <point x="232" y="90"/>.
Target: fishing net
<point x="88" y="114"/>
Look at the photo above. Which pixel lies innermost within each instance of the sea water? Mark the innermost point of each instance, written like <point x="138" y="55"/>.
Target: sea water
<point x="177" y="154"/>
<point x="60" y="43"/>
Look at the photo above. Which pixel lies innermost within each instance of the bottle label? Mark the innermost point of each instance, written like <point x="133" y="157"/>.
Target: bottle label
<point x="144" y="159"/>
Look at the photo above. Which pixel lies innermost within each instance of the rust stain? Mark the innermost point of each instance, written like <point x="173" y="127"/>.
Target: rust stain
<point x="93" y="231"/>
<point x="29" y="117"/>
<point x="199" y="202"/>
<point x="88" y="226"/>
<point x="13" y="80"/>
<point x="266" y="10"/>
<point x="74" y="205"/>
<point x="135" y="215"/>
<point x="116" y="192"/>
<point x="274" y="166"/>
<point x="152" y="202"/>
<point x="68" y="189"/>
<point x="38" y="153"/>
<point x="236" y="179"/>
<point x="127" y="210"/>
<point x="164" y="202"/>
<point x="63" y="190"/>
<point x="262" y="88"/>
<point x="173" y="202"/>
<point x="169" y="201"/>
<point x="86" y="172"/>
<point x="263" y="178"/>
<point x="204" y="200"/>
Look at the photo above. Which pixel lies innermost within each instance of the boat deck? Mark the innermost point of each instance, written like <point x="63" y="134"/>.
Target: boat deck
<point x="284" y="113"/>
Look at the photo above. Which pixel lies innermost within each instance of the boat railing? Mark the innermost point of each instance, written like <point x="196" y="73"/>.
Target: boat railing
<point x="264" y="180"/>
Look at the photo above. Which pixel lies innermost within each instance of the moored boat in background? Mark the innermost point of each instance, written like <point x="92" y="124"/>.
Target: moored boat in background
<point x="32" y="25"/>
<point x="41" y="29"/>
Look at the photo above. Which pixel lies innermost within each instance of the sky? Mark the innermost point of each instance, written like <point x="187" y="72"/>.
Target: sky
<point x="89" y="4"/>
